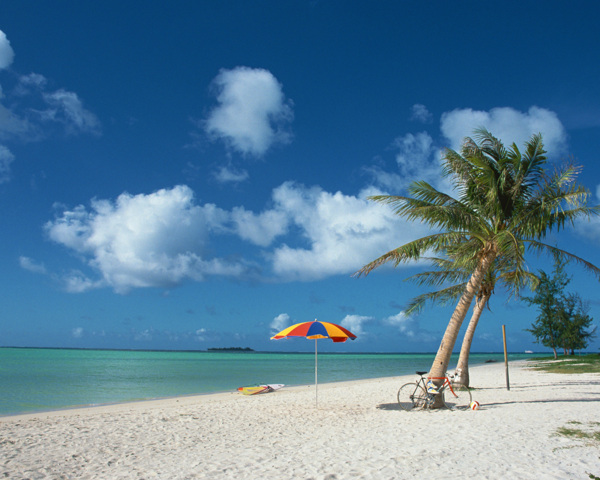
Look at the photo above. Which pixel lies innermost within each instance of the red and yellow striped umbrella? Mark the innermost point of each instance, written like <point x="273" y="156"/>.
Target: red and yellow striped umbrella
<point x="316" y="330"/>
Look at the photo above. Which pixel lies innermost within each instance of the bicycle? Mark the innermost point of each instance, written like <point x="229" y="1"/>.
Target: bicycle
<point x="422" y="394"/>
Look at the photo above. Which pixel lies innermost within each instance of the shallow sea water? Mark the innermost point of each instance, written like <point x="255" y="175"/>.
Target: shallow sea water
<point x="35" y="379"/>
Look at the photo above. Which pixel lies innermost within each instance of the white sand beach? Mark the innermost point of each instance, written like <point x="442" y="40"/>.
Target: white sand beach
<point x="358" y="431"/>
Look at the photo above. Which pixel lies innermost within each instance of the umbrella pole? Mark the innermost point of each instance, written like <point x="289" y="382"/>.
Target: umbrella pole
<point x="316" y="391"/>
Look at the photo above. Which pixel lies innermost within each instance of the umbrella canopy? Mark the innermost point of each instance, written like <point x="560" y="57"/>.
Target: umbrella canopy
<point x="316" y="330"/>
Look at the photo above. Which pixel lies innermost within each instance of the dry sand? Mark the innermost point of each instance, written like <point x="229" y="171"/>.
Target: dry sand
<point x="358" y="431"/>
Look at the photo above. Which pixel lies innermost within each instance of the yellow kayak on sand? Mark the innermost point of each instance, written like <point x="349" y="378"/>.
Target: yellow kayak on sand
<point x="256" y="389"/>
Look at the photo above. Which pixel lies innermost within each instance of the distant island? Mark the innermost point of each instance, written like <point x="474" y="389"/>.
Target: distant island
<point x="231" y="349"/>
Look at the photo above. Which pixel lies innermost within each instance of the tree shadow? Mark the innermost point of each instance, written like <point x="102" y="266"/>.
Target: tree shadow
<point x="553" y="400"/>
<point x="518" y="386"/>
<point x="396" y="406"/>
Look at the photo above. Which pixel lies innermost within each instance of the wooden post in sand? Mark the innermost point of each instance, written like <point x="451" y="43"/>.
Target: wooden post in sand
<point x="505" y="356"/>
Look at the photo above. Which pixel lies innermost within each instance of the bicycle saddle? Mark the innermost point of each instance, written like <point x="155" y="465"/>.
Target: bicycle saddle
<point x="420" y="373"/>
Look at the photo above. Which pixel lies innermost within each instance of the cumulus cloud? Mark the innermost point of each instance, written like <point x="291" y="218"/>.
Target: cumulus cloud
<point x="252" y="112"/>
<point x="354" y="323"/>
<point x="507" y="124"/>
<point x="340" y="232"/>
<point x="419" y="113"/>
<point x="280" y="322"/>
<point x="164" y="238"/>
<point x="262" y="228"/>
<point x="6" y="52"/>
<point x="417" y="157"/>
<point x="6" y="158"/>
<point x="404" y="323"/>
<point x="143" y="240"/>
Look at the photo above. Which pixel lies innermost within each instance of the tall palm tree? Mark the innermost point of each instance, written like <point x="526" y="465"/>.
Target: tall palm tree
<point x="446" y="272"/>
<point x="506" y="202"/>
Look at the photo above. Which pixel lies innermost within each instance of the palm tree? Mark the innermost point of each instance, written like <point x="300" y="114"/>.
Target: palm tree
<point x="506" y="201"/>
<point x="446" y="272"/>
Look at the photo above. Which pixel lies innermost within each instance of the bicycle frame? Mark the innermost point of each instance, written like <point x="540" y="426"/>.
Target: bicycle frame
<point x="445" y="384"/>
<point x="416" y="395"/>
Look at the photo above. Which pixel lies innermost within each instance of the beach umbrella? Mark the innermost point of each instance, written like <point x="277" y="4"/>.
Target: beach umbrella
<point x="316" y="330"/>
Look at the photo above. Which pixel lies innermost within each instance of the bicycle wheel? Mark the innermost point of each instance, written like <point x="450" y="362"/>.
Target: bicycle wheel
<point x="459" y="398"/>
<point x="411" y="395"/>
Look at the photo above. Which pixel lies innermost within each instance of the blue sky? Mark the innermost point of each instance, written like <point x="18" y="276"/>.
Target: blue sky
<point x="194" y="175"/>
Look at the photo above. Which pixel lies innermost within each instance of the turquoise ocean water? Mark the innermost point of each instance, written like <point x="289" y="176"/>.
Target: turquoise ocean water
<point x="34" y="379"/>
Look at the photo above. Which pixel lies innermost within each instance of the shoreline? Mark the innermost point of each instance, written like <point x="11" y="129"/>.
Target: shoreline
<point x="167" y="401"/>
<point x="106" y="389"/>
<point x="358" y="431"/>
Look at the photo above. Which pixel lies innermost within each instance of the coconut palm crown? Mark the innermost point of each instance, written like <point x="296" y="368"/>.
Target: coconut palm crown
<point x="506" y="202"/>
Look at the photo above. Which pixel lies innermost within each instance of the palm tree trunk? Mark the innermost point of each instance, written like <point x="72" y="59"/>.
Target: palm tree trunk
<point x="461" y="374"/>
<point x="442" y="358"/>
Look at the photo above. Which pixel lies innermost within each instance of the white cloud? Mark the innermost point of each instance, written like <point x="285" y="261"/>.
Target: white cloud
<point x="6" y="52"/>
<point x="77" y="282"/>
<point x="404" y="323"/>
<point x="231" y="175"/>
<point x="77" y="332"/>
<point x="144" y="336"/>
<point x="419" y="113"/>
<point x="342" y="232"/>
<point x="280" y="322"/>
<point x="589" y="228"/>
<point x="66" y="108"/>
<point x="417" y="158"/>
<point x="163" y="238"/>
<point x="260" y="229"/>
<point x="33" y="111"/>
<point x="354" y="323"/>
<point x="413" y="151"/>
<point x="507" y="124"/>
<point x="252" y="111"/>
<point x="143" y="240"/>
<point x="199" y="335"/>
<point x="32" y="266"/>
<point x="13" y="125"/>
<point x="6" y="158"/>
<point x="30" y="83"/>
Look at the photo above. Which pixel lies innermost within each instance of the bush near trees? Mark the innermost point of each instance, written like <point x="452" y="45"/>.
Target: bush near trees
<point x="563" y="321"/>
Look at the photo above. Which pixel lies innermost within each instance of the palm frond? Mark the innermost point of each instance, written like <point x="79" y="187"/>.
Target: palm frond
<point x="538" y="247"/>
<point x="441" y="297"/>
<point x="411" y="251"/>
